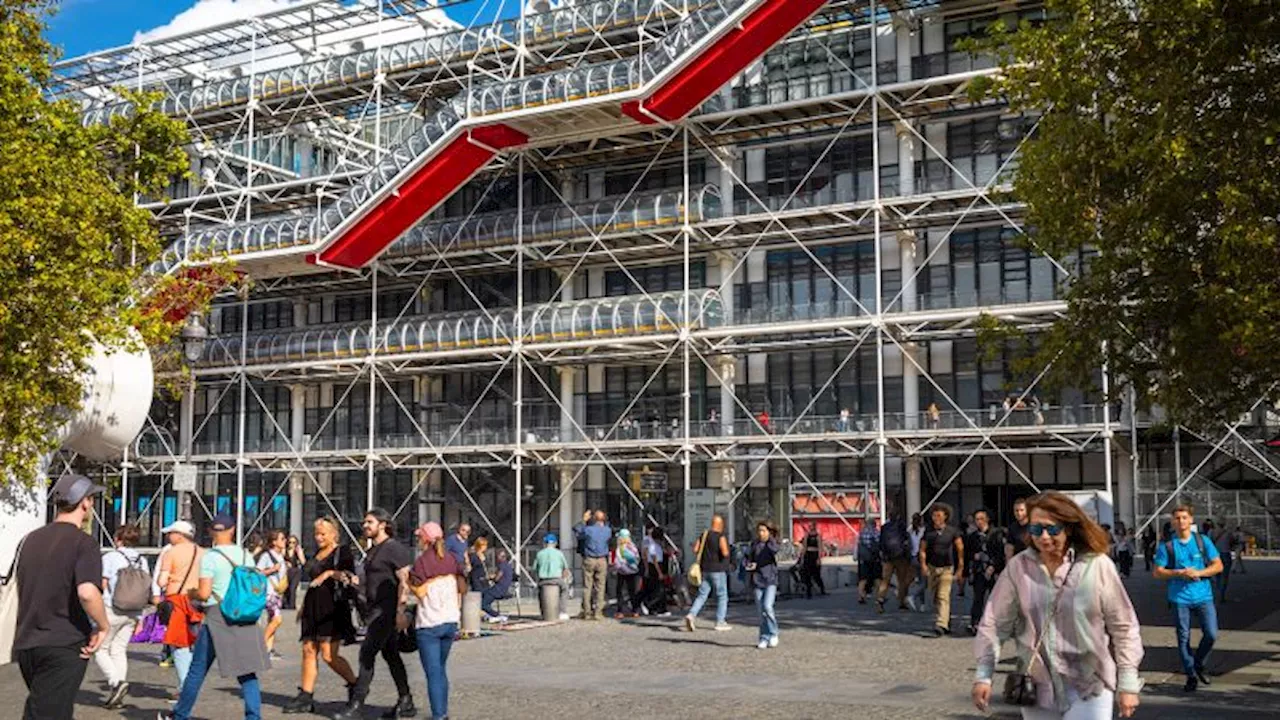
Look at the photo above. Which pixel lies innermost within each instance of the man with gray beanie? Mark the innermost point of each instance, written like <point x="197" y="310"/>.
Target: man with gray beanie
<point x="62" y="619"/>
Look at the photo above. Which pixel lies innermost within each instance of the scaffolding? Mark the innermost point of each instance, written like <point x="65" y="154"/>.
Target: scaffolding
<point x="460" y="236"/>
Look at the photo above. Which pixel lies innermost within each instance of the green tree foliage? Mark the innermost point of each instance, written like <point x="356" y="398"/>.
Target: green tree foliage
<point x="1158" y="149"/>
<point x="72" y="241"/>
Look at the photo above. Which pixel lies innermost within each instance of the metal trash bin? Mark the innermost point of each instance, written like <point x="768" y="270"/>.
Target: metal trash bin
<point x="471" y="613"/>
<point x="549" y="599"/>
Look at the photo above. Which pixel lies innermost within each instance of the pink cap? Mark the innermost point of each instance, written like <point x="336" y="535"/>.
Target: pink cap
<point x="430" y="532"/>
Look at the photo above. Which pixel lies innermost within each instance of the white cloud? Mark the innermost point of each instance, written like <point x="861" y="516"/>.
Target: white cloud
<point x="207" y="13"/>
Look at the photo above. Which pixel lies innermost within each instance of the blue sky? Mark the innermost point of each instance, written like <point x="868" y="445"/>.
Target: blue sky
<point x="82" y="26"/>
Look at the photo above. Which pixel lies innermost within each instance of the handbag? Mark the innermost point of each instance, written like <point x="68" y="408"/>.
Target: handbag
<point x="9" y="609"/>
<point x="1019" y="687"/>
<point x="149" y="631"/>
<point x="165" y="608"/>
<point x="407" y="639"/>
<point x="695" y="570"/>
<point x="279" y="585"/>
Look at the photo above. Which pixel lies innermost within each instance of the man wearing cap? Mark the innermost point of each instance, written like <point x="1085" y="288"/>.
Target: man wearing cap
<point x="177" y="577"/>
<point x="550" y="568"/>
<point x="62" y="619"/>
<point x="239" y="650"/>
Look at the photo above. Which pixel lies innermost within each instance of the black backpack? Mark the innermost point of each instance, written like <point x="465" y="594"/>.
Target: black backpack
<point x="895" y="541"/>
<point x="1171" y="562"/>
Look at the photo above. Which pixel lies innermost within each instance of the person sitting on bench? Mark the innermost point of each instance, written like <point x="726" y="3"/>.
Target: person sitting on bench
<point x="499" y="589"/>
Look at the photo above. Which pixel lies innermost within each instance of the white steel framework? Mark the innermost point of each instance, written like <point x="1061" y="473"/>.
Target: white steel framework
<point x="756" y="298"/>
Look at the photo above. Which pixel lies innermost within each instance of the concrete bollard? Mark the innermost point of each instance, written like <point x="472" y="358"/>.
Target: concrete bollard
<point x="549" y="597"/>
<point x="471" y="613"/>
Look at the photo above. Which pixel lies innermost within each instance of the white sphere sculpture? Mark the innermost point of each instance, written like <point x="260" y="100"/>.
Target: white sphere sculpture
<point x="116" y="398"/>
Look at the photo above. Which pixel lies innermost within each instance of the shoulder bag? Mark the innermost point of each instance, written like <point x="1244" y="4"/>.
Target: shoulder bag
<point x="165" y="608"/>
<point x="1019" y="687"/>
<point x="9" y="609"/>
<point x="695" y="570"/>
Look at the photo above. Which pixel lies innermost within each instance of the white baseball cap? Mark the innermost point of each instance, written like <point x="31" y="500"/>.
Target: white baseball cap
<point x="181" y="526"/>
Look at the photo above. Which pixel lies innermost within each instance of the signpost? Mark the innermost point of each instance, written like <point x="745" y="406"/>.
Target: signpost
<point x="647" y="481"/>
<point x="184" y="477"/>
<point x="699" y="506"/>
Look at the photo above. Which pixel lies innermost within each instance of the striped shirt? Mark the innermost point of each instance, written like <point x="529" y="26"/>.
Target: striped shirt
<point x="1094" y="619"/>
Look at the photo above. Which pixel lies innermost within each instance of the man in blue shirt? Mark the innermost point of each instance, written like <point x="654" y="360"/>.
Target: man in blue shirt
<point x="594" y="540"/>
<point x="456" y="545"/>
<point x="1187" y="561"/>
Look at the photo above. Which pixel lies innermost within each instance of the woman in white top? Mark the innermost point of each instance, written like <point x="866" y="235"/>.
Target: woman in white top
<point x="272" y="564"/>
<point x="437" y="581"/>
<point x="112" y="658"/>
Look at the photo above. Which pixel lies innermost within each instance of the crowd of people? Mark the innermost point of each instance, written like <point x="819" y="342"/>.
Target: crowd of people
<point x="1052" y="567"/>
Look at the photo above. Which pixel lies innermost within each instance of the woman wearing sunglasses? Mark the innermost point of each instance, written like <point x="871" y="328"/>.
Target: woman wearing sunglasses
<point x="1074" y="628"/>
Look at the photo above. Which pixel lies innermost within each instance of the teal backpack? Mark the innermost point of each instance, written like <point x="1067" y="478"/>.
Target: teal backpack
<point x="246" y="596"/>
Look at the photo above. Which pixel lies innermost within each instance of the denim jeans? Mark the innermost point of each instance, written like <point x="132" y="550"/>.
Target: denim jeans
<point x="182" y="664"/>
<point x="434" y="644"/>
<point x="768" y="618"/>
<point x="721" y="582"/>
<point x="1207" y="615"/>
<point x="203" y="655"/>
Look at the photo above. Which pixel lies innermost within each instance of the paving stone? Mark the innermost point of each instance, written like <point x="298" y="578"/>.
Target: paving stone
<point x="836" y="659"/>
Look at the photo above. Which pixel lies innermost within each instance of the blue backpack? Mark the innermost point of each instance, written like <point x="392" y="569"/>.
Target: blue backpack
<point x="246" y="595"/>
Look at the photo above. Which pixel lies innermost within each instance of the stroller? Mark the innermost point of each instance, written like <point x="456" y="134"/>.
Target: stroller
<point x="674" y="595"/>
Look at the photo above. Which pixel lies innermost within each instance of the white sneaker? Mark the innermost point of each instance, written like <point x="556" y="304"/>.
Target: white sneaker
<point x="773" y="641"/>
<point x="664" y="615"/>
<point x="722" y="627"/>
<point x="564" y="616"/>
<point x="911" y="603"/>
<point x="762" y="645"/>
<point x="501" y="619"/>
<point x="644" y="611"/>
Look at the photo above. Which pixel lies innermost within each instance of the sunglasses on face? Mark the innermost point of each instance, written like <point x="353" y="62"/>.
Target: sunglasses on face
<point x="1036" y="530"/>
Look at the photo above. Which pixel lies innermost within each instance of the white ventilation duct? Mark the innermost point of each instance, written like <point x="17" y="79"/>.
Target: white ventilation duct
<point x="115" y="400"/>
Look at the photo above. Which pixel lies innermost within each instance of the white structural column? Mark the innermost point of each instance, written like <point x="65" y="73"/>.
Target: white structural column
<point x="730" y="162"/>
<point x="567" y="541"/>
<point x="907" y="246"/>
<point x="903" y="35"/>
<point x="186" y="429"/>
<point x="297" y="479"/>
<point x="727" y="365"/>
<point x="910" y="375"/>
<point x="567" y="375"/>
<point x="297" y="431"/>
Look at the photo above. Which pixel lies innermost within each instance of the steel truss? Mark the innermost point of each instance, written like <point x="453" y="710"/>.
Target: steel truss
<point x="247" y="146"/>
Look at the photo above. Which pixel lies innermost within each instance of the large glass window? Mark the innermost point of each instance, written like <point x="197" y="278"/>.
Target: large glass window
<point x="814" y="173"/>
<point x="654" y="279"/>
<point x="800" y="288"/>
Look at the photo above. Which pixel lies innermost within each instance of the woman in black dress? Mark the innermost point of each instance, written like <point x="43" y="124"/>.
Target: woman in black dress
<point x="295" y="558"/>
<point x="325" y="614"/>
<point x="478" y="578"/>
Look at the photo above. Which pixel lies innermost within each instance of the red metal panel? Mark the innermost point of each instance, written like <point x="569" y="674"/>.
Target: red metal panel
<point x="718" y="64"/>
<point x="433" y="183"/>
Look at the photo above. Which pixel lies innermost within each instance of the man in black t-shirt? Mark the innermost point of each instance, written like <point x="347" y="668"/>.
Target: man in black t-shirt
<point x="1015" y="540"/>
<point x="386" y="584"/>
<point x="59" y="574"/>
<point x="941" y="557"/>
